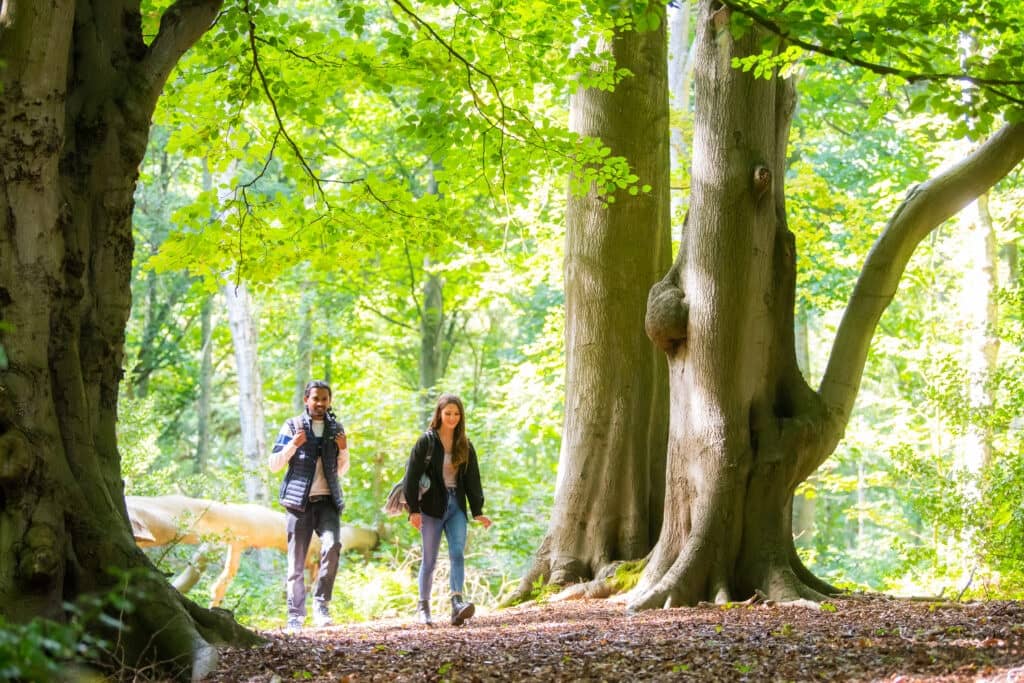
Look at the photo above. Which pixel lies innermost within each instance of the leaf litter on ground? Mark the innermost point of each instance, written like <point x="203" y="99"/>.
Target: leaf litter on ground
<point x="863" y="638"/>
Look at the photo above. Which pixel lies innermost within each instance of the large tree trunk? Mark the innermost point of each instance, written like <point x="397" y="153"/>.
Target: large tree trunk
<point x="608" y="498"/>
<point x="79" y="88"/>
<point x="745" y="427"/>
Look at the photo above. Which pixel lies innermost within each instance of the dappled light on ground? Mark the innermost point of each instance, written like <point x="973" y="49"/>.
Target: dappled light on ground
<point x="867" y="639"/>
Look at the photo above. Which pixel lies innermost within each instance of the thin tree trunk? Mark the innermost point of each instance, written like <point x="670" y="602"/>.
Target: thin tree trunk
<point x="304" y="350"/>
<point x="250" y="390"/>
<point x="149" y="332"/>
<point x="804" y="507"/>
<point x="205" y="387"/>
<point x="432" y="328"/>
<point x="680" y="71"/>
<point x="981" y="345"/>
<point x="432" y="321"/>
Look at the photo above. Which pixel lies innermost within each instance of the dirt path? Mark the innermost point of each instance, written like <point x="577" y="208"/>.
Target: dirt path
<point x="869" y="639"/>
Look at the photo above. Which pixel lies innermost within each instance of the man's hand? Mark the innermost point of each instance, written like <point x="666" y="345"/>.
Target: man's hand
<point x="343" y="462"/>
<point x="299" y="438"/>
<point x="342" y="441"/>
<point x="485" y="520"/>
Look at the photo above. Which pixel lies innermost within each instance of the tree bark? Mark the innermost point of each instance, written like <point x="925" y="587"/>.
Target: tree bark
<point x="746" y="428"/>
<point x="608" y="497"/>
<point x="79" y="87"/>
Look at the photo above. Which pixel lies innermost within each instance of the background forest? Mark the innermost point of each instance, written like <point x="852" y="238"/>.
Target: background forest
<point x="315" y="202"/>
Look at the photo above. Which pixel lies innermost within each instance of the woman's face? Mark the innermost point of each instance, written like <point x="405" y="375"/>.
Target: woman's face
<point x="450" y="416"/>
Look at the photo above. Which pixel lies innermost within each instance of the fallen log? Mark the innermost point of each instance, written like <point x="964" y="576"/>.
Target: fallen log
<point x="162" y="520"/>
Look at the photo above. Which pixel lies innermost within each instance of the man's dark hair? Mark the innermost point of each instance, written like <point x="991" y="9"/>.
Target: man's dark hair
<point x="316" y="384"/>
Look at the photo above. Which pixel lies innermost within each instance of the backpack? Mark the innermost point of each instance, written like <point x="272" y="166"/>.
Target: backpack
<point x="395" y="504"/>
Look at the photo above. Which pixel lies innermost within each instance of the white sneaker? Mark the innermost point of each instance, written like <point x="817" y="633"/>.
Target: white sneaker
<point x="294" y="626"/>
<point x="322" y="618"/>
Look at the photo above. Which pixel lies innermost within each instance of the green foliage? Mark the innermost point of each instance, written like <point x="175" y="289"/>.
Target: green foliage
<point x="627" y="575"/>
<point x="44" y="650"/>
<point x="541" y="590"/>
<point x="933" y="51"/>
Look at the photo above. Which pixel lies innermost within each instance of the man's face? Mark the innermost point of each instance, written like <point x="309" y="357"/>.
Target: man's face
<point x="317" y="403"/>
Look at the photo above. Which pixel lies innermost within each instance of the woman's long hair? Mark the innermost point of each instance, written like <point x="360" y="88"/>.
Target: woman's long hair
<point x="460" y="444"/>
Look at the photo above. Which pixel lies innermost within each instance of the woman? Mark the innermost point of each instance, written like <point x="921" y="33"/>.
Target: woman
<point x="449" y="461"/>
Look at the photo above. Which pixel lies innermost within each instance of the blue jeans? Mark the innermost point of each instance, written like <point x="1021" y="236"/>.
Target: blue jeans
<point x="323" y="518"/>
<point x="454" y="525"/>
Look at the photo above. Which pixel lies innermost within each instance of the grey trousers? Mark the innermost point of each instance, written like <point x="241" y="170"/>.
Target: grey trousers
<point x="322" y="517"/>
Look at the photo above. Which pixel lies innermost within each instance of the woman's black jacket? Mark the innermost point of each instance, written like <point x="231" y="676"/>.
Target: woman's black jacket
<point x="435" y="499"/>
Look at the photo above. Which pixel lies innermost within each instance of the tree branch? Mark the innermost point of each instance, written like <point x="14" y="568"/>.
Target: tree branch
<point x="911" y="76"/>
<point x="926" y="207"/>
<point x="181" y="26"/>
<point x="277" y="115"/>
<point x="412" y="281"/>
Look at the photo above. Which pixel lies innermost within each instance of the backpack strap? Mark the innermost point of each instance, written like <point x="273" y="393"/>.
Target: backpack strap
<point x="434" y="439"/>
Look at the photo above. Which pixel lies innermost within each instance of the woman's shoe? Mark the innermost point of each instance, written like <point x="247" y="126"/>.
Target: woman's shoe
<point x="423" y="613"/>
<point x="461" y="610"/>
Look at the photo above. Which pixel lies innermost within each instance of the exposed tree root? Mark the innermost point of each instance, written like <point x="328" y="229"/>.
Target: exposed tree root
<point x="171" y="637"/>
<point x="605" y="584"/>
<point x="808" y="578"/>
<point x="682" y="584"/>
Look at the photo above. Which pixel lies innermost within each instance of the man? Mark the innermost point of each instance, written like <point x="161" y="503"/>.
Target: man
<point x="314" y="448"/>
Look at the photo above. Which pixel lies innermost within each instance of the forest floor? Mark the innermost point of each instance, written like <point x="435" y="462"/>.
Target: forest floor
<point x="862" y="639"/>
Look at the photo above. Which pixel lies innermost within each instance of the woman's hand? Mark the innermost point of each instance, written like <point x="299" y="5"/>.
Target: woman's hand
<point x="485" y="520"/>
<point x="416" y="520"/>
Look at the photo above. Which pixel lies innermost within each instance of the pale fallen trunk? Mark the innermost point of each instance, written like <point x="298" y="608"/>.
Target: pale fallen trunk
<point x="164" y="520"/>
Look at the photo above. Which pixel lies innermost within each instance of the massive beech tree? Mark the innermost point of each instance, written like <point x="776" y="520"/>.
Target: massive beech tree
<point x="745" y="427"/>
<point x="79" y="86"/>
<point x="610" y="486"/>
